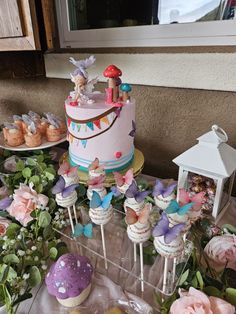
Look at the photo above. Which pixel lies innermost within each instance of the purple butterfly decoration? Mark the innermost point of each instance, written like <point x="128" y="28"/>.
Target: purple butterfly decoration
<point x="60" y="187"/>
<point x="133" y="131"/>
<point x="162" y="229"/>
<point x="5" y="203"/>
<point x="160" y="189"/>
<point x="133" y="192"/>
<point x="115" y="191"/>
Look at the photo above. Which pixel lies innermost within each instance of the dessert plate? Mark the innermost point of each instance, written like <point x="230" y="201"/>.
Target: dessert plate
<point x="23" y="147"/>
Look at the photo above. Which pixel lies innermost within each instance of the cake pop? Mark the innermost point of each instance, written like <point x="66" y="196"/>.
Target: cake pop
<point x="135" y="198"/>
<point x="100" y="212"/>
<point x="163" y="194"/>
<point x="123" y="182"/>
<point x="96" y="179"/>
<point x="70" y="174"/>
<point x="69" y="279"/>
<point x="66" y="197"/>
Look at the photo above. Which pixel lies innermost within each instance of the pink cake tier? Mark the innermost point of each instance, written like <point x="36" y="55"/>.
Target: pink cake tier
<point x="97" y="130"/>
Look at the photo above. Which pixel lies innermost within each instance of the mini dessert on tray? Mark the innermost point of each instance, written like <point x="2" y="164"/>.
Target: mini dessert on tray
<point x="53" y="131"/>
<point x="32" y="137"/>
<point x="13" y="134"/>
<point x="69" y="279"/>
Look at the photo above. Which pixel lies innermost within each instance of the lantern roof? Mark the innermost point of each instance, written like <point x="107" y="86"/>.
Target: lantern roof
<point x="211" y="155"/>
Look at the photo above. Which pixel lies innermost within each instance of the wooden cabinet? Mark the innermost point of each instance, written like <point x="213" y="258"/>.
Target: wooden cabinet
<point x="18" y="25"/>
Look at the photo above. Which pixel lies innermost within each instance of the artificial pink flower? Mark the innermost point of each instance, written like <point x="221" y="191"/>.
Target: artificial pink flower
<point x="4" y="223"/>
<point x="25" y="200"/>
<point x="221" y="250"/>
<point x="197" y="302"/>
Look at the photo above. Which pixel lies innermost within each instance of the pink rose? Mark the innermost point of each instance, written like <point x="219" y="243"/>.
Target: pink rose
<point x="197" y="302"/>
<point x="4" y="223"/>
<point x="221" y="250"/>
<point x="25" y="200"/>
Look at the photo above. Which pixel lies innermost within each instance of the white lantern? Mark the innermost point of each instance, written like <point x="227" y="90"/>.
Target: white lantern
<point x="214" y="159"/>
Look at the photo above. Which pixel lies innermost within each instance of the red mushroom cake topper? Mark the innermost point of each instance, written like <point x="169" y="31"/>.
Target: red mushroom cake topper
<point x="112" y="73"/>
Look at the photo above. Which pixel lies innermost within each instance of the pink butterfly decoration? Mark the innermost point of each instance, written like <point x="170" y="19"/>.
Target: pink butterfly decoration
<point x="124" y="179"/>
<point x="66" y="170"/>
<point x="133" y="217"/>
<point x="97" y="182"/>
<point x="96" y="166"/>
<point x="198" y="199"/>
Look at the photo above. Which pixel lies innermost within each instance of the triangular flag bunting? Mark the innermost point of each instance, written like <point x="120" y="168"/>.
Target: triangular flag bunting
<point x="84" y="143"/>
<point x="78" y="126"/>
<point x="105" y="120"/>
<point x="68" y="121"/>
<point x="97" y="123"/>
<point x="73" y="125"/>
<point x="90" y="125"/>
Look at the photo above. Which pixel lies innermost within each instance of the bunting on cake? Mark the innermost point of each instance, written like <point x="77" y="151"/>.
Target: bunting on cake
<point x="71" y="139"/>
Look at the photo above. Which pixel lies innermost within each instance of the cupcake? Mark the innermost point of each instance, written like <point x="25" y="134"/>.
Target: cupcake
<point x="162" y="194"/>
<point x="101" y="210"/>
<point x="33" y="137"/>
<point x="69" y="279"/>
<point x="13" y="135"/>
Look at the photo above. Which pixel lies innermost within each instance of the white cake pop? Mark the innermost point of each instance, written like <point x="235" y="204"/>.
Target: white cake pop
<point x="135" y="198"/>
<point x="123" y="182"/>
<point x="70" y="174"/>
<point x="95" y="169"/>
<point x="163" y="194"/>
<point x="96" y="179"/>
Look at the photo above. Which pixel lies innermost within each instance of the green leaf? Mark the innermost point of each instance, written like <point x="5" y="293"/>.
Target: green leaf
<point x="3" y="214"/>
<point x="35" y="180"/>
<point x="52" y="204"/>
<point x="44" y="219"/>
<point x="12" y="230"/>
<point x="11" y="259"/>
<point x="49" y="176"/>
<point x="31" y="161"/>
<point x="9" y="273"/>
<point x="40" y="158"/>
<point x="2" y="296"/>
<point x="230" y="295"/>
<point x="229" y="227"/>
<point x="199" y="279"/>
<point x="22" y="298"/>
<point x="229" y="277"/>
<point x="53" y="253"/>
<point x="194" y="282"/>
<point x="61" y="249"/>
<point x="20" y="165"/>
<point x="43" y="165"/>
<point x="39" y="188"/>
<point x="35" y="276"/>
<point x="81" y="190"/>
<point x="26" y="173"/>
<point x="48" y="233"/>
<point x="17" y="176"/>
<point x="183" y="278"/>
<point x="158" y="298"/>
<point x="212" y="291"/>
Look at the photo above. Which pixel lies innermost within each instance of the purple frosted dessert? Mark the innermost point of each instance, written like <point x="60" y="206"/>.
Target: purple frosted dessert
<point x="69" y="279"/>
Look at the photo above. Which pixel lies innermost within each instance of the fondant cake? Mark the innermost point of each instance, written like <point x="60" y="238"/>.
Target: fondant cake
<point x="98" y="127"/>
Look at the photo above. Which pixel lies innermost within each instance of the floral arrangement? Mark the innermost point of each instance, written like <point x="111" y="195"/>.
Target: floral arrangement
<point x="28" y="218"/>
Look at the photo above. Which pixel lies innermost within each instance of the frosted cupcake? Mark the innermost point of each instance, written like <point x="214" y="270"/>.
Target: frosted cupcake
<point x="69" y="279"/>
<point x="101" y="210"/>
<point x="162" y="194"/>
<point x="13" y="135"/>
<point x="33" y="137"/>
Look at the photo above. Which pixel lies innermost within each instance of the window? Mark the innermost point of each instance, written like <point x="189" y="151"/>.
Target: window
<point x="146" y="23"/>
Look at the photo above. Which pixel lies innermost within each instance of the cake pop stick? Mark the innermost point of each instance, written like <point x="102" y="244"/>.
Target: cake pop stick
<point x="100" y="213"/>
<point x="66" y="197"/>
<point x="165" y="275"/>
<point x="139" y="231"/>
<point x="135" y="253"/>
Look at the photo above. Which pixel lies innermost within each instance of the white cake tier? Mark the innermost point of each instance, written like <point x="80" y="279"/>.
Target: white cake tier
<point x="174" y="249"/>
<point x="66" y="201"/>
<point x="102" y="192"/>
<point x="131" y="202"/>
<point x="139" y="233"/>
<point x="163" y="202"/>
<point x="75" y="301"/>
<point x="100" y="216"/>
<point x="97" y="130"/>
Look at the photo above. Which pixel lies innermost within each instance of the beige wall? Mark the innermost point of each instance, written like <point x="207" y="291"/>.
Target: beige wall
<point x="168" y="119"/>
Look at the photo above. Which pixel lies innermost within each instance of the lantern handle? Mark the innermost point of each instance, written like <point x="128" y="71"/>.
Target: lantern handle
<point x="220" y="133"/>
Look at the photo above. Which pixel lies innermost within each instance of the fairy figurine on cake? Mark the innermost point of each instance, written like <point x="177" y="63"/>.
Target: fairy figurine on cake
<point x="83" y="85"/>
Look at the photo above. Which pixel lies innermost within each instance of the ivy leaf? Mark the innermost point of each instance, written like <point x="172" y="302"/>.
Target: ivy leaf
<point x="48" y="233"/>
<point x="35" y="180"/>
<point x="11" y="259"/>
<point x="230" y="295"/>
<point x="53" y="253"/>
<point x="12" y="230"/>
<point x="20" y="165"/>
<point x="31" y="161"/>
<point x="212" y="291"/>
<point x="35" y="276"/>
<point x="26" y="173"/>
<point x="199" y="279"/>
<point x="44" y="219"/>
<point x="49" y="176"/>
<point x="183" y="278"/>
